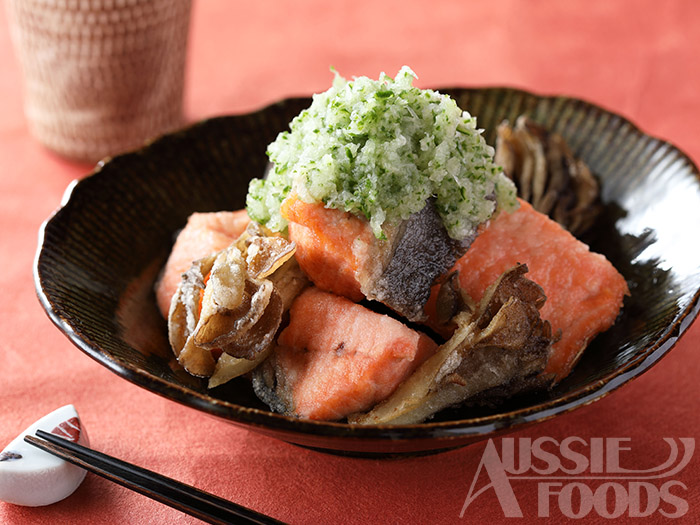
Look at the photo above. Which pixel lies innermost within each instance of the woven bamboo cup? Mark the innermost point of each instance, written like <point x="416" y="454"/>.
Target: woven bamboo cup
<point x="100" y="76"/>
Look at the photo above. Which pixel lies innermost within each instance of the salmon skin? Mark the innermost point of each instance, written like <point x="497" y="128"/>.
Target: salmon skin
<point x="422" y="253"/>
<point x="584" y="291"/>
<point x="336" y="358"/>
<point x="340" y="254"/>
<point x="204" y="234"/>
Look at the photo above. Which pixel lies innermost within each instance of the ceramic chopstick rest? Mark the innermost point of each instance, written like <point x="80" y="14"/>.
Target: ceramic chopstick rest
<point x="31" y="477"/>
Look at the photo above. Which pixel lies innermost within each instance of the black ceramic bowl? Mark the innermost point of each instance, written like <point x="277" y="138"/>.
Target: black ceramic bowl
<point x="100" y="253"/>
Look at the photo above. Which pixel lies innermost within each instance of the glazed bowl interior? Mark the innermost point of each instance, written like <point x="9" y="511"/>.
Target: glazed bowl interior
<point x="101" y="252"/>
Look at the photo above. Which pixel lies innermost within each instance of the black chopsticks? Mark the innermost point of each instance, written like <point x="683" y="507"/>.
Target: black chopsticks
<point x="185" y="498"/>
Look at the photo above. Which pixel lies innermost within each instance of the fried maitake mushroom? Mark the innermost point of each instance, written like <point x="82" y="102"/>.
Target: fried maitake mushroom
<point x="228" y="306"/>
<point x="548" y="175"/>
<point x="503" y="342"/>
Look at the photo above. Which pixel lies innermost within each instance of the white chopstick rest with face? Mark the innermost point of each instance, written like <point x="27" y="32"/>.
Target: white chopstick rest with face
<point x="32" y="477"/>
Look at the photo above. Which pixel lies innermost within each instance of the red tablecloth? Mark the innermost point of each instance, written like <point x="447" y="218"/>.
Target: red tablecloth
<point x="639" y="58"/>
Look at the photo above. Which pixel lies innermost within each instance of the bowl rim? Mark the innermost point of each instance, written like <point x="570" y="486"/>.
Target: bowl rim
<point x="442" y="430"/>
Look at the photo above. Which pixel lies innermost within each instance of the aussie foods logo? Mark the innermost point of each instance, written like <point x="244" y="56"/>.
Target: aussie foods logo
<point x="577" y="478"/>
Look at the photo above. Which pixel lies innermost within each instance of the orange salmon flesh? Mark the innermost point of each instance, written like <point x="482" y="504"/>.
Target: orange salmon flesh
<point x="584" y="291"/>
<point x="327" y="245"/>
<point x="339" y="358"/>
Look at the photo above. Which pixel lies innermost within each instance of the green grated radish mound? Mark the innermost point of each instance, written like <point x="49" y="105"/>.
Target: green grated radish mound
<point x="379" y="149"/>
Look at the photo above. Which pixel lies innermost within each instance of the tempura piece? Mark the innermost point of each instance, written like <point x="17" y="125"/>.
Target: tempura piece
<point x="228" y="303"/>
<point x="547" y="174"/>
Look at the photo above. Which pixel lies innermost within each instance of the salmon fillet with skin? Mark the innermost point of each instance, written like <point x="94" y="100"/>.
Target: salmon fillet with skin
<point x="204" y="234"/>
<point x="340" y="254"/>
<point x="584" y="291"/>
<point x="336" y="358"/>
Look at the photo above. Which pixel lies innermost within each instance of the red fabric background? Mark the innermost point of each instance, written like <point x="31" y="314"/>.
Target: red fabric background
<point x="639" y="58"/>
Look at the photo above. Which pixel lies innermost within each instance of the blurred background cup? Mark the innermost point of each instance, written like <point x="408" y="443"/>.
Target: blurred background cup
<point x="100" y="76"/>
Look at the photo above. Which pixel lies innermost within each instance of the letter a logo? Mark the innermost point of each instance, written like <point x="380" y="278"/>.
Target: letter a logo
<point x="498" y="480"/>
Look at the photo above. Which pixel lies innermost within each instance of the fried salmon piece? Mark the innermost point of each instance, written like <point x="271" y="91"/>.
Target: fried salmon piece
<point x="584" y="291"/>
<point x="332" y="246"/>
<point x="340" y="254"/>
<point x="336" y="358"/>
